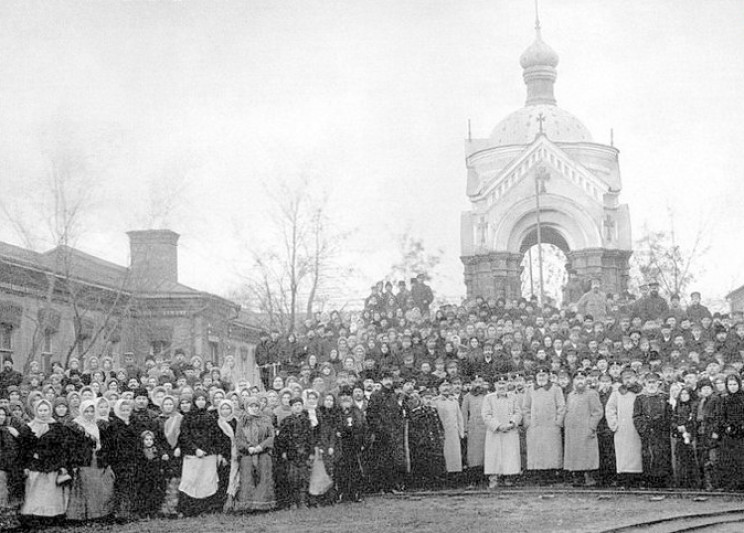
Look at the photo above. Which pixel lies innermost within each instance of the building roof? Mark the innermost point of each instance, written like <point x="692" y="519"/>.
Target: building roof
<point x="735" y="293"/>
<point x="73" y="263"/>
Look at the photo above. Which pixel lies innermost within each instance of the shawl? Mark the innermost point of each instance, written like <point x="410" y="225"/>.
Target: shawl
<point x="172" y="424"/>
<point x="39" y="426"/>
<point x="117" y="410"/>
<point x="224" y="424"/>
<point x="89" y="425"/>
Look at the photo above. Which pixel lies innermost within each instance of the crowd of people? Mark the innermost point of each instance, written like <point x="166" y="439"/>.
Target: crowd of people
<point x="607" y="391"/>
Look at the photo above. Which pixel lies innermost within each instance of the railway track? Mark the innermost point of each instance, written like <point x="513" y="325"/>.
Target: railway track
<point x="548" y="492"/>
<point x="688" y="523"/>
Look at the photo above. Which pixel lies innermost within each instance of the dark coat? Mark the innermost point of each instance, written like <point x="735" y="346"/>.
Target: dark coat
<point x="199" y="431"/>
<point x="387" y="421"/>
<point x="652" y="417"/>
<point x="427" y="443"/>
<point x="48" y="453"/>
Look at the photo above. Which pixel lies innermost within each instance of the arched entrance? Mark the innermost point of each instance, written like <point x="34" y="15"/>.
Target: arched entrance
<point x="555" y="273"/>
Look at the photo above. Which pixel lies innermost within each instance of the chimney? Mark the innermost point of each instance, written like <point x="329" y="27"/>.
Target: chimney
<point x="153" y="258"/>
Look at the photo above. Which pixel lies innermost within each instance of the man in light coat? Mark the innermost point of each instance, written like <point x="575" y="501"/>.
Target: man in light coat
<point x="619" y="414"/>
<point x="543" y="411"/>
<point x="501" y="414"/>
<point x="475" y="428"/>
<point x="451" y="416"/>
<point x="583" y="413"/>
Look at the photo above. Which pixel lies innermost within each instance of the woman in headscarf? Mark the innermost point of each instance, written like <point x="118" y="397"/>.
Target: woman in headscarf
<point x="170" y="426"/>
<point x="198" y="443"/>
<point x="73" y="403"/>
<point x="254" y="439"/>
<point x="325" y="439"/>
<point x="732" y="431"/>
<point x="92" y="494"/>
<point x="227" y="468"/>
<point x="227" y="372"/>
<point x="11" y="473"/>
<point x="44" y="456"/>
<point x="123" y="458"/>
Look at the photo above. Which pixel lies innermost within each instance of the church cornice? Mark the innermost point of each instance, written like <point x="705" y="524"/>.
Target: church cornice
<point x="541" y="151"/>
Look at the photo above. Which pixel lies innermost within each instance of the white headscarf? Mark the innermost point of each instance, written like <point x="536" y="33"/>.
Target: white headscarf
<point x="39" y="426"/>
<point x="89" y="425"/>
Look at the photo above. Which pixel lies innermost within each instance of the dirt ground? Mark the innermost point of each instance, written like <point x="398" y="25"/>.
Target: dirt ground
<point x="422" y="513"/>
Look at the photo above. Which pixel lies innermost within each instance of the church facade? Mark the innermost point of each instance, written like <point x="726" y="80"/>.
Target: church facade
<point x="542" y="155"/>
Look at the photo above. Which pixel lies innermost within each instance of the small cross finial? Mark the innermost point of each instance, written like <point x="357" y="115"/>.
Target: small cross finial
<point x="537" y="17"/>
<point x="540" y="119"/>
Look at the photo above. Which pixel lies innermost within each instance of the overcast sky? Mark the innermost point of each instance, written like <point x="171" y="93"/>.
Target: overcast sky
<point x="371" y="99"/>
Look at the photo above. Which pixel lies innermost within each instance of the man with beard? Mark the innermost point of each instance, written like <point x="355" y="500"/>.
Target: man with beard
<point x="652" y="306"/>
<point x="352" y="430"/>
<point x="583" y="413"/>
<point x="543" y="410"/>
<point x="605" y="438"/>
<point x="475" y="428"/>
<point x="387" y="418"/>
<point x="652" y="416"/>
<point x="619" y="413"/>
<point x="427" y="442"/>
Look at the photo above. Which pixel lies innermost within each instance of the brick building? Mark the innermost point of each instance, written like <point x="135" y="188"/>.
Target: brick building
<point x="64" y="303"/>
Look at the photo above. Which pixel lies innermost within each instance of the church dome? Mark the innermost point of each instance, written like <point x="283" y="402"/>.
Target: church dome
<point x="523" y="125"/>
<point x="539" y="53"/>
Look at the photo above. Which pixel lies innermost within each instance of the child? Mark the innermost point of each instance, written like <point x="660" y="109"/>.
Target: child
<point x="293" y="446"/>
<point x="149" y="478"/>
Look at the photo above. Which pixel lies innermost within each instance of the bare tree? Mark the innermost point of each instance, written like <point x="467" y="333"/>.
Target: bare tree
<point x="414" y="258"/>
<point x="659" y="255"/>
<point x="298" y="264"/>
<point x="63" y="202"/>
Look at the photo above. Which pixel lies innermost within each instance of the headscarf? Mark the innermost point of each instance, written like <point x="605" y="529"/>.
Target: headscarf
<point x="63" y="419"/>
<point x="117" y="410"/>
<point x="39" y="426"/>
<point x="73" y="412"/>
<point x="90" y="426"/>
<point x="108" y="410"/>
<point x="199" y="394"/>
<point x="224" y="424"/>
<point x="172" y="424"/>
<point x="156" y="389"/>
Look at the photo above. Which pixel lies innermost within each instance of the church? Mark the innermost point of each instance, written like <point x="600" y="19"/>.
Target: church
<point x="540" y="171"/>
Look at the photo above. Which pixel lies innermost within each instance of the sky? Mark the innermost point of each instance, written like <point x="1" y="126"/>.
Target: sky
<point x="187" y="113"/>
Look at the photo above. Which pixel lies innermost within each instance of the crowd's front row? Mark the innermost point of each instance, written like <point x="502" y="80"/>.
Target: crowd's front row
<point x="153" y="454"/>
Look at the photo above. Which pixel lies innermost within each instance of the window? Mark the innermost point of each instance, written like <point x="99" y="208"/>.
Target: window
<point x="6" y="338"/>
<point x="244" y="354"/>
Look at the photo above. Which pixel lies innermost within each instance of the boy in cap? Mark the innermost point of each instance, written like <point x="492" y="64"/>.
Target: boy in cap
<point x="294" y="446"/>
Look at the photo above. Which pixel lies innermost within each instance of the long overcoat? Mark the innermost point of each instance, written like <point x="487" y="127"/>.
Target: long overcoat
<point x="449" y="413"/>
<point x="583" y="413"/>
<point x="543" y="411"/>
<point x="502" y="448"/>
<point x="619" y="414"/>
<point x="475" y="427"/>
<point x="652" y="416"/>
